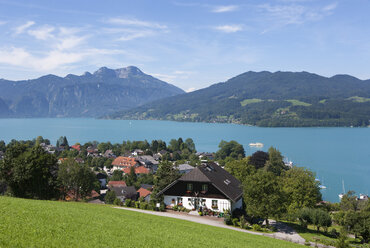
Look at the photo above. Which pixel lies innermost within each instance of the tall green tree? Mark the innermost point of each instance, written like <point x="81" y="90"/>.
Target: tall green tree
<point x="240" y="169"/>
<point x="301" y="188"/>
<point x="275" y="163"/>
<point x="263" y="195"/>
<point x="259" y="159"/>
<point x="190" y="145"/>
<point x="166" y="174"/>
<point x="29" y="172"/>
<point x="230" y="149"/>
<point x="131" y="178"/>
<point x="349" y="202"/>
<point x="2" y="146"/>
<point x="76" y="178"/>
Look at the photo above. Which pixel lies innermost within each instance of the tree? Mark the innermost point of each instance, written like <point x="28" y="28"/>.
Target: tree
<point x="166" y="174"/>
<point x="259" y="159"/>
<point x="76" y="178"/>
<point x="190" y="145"/>
<point x="117" y="175"/>
<point x="174" y="145"/>
<point x="362" y="226"/>
<point x="2" y="146"/>
<point x="110" y="197"/>
<point x="320" y="218"/>
<point x="29" y="172"/>
<point x="301" y="188"/>
<point x="275" y="163"/>
<point x="240" y="169"/>
<point x="349" y="201"/>
<point x="131" y="177"/>
<point x="263" y="195"/>
<point x="230" y="149"/>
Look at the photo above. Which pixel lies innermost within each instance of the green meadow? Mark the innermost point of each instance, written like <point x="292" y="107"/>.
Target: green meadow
<point x="32" y="223"/>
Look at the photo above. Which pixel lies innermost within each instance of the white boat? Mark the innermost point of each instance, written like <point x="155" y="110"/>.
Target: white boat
<point x="344" y="191"/>
<point x="257" y="144"/>
<point x="322" y="186"/>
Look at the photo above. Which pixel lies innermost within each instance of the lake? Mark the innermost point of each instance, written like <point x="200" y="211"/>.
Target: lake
<point x="335" y="154"/>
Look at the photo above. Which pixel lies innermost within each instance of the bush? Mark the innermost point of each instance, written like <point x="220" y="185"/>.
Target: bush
<point x="256" y="227"/>
<point x="227" y="219"/>
<point x="117" y="202"/>
<point x="307" y="242"/>
<point x="200" y="213"/>
<point x="334" y="233"/>
<point x="143" y="205"/>
<point x="162" y="207"/>
<point x="128" y="202"/>
<point x="174" y="208"/>
<point x="242" y="222"/>
<point x="137" y="204"/>
<point x="235" y="221"/>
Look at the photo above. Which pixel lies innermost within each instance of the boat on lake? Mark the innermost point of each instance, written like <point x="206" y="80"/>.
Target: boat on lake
<point x="257" y="144"/>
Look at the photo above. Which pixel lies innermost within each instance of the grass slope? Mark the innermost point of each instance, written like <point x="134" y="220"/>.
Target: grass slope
<point x="31" y="223"/>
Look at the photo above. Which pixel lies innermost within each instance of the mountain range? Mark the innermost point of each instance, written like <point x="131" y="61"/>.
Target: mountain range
<point x="289" y="99"/>
<point x="89" y="95"/>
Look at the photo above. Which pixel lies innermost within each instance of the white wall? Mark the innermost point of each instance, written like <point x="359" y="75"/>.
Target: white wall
<point x="222" y="204"/>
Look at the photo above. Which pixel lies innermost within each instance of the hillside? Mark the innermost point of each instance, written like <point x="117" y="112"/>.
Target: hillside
<point x="268" y="99"/>
<point x="31" y="223"/>
<point x="89" y="95"/>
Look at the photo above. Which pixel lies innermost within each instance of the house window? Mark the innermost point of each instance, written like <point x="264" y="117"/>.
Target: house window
<point x="190" y="187"/>
<point x="179" y="201"/>
<point x="173" y="201"/>
<point x="205" y="187"/>
<point x="214" y="204"/>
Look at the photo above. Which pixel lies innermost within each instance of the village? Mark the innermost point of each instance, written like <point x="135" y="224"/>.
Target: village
<point x="206" y="188"/>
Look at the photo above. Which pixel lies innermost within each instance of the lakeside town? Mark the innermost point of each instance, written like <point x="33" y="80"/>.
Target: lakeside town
<point x="246" y="192"/>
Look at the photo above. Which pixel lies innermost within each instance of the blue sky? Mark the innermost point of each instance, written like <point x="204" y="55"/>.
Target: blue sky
<point x="191" y="44"/>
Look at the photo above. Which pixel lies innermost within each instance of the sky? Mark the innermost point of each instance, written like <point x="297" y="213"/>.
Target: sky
<point x="191" y="44"/>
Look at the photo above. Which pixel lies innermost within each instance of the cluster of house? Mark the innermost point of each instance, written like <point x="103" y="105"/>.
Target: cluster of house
<point x="206" y="186"/>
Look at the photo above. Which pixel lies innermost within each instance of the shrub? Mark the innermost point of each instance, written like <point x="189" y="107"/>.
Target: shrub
<point x="200" y="213"/>
<point x="334" y="233"/>
<point x="117" y="202"/>
<point x="307" y="242"/>
<point x="162" y="208"/>
<point x="256" y="227"/>
<point x="137" y="204"/>
<point x="128" y="202"/>
<point x="242" y="221"/>
<point x="235" y="221"/>
<point x="227" y="219"/>
<point x="143" y="205"/>
<point x="174" y="208"/>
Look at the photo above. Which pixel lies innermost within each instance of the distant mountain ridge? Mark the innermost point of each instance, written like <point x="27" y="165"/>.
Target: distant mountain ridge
<point x="89" y="95"/>
<point x="268" y="99"/>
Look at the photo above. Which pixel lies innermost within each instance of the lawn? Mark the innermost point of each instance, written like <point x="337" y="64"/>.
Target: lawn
<point x="311" y="234"/>
<point x="31" y="223"/>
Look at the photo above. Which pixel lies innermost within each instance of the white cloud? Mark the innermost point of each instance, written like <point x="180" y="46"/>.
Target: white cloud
<point x="20" y="29"/>
<point x="42" y="33"/>
<point x="330" y="7"/>
<point x="135" y="34"/>
<point x="135" y="22"/>
<point x="229" y="28"/>
<point x="287" y="14"/>
<point x="164" y="77"/>
<point x="190" y="89"/>
<point x="222" y="9"/>
<point x="49" y="61"/>
<point x="70" y="42"/>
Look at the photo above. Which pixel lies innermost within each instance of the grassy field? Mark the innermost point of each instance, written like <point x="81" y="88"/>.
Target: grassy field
<point x="249" y="101"/>
<point x="31" y="223"/>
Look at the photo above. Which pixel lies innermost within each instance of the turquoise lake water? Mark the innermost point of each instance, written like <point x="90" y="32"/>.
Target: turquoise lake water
<point x="335" y="154"/>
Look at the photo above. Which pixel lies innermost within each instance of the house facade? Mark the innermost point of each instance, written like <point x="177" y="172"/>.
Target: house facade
<point x="207" y="186"/>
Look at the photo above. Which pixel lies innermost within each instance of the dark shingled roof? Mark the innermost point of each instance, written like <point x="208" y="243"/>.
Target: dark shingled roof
<point x="212" y="173"/>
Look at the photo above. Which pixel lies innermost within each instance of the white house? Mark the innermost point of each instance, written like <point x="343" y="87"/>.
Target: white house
<point x="207" y="186"/>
